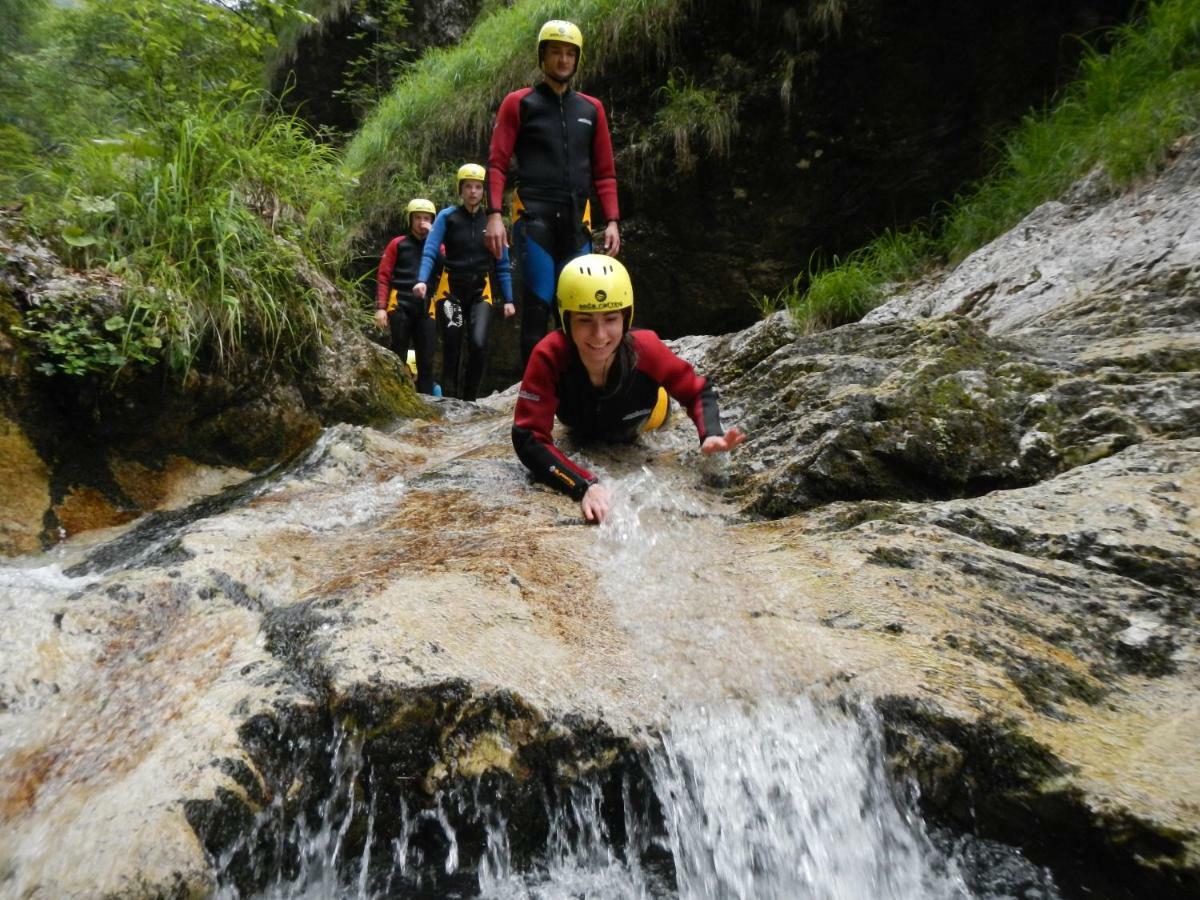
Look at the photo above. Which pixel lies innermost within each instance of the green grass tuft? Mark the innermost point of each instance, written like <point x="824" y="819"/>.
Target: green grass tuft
<point x="847" y="289"/>
<point x="215" y="222"/>
<point x="688" y="111"/>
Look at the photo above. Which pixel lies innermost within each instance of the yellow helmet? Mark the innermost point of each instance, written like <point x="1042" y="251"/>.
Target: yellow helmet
<point x="469" y="172"/>
<point x="592" y="284"/>
<point x="560" y="30"/>
<point x="418" y="204"/>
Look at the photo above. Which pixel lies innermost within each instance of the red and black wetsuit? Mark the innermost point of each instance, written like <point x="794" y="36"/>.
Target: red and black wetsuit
<point x="556" y="383"/>
<point x="408" y="317"/>
<point x="564" y="151"/>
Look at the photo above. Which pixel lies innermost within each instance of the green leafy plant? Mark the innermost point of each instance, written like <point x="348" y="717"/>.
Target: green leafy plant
<point x="76" y="338"/>
<point x="384" y="54"/>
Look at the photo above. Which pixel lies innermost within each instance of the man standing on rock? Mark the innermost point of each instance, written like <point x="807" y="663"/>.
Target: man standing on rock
<point x="563" y="148"/>
<point x="396" y="307"/>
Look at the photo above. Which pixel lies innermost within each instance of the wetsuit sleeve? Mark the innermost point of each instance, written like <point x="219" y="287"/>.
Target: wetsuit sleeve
<point x="433" y="246"/>
<point x="383" y="278"/>
<point x="503" y="267"/>
<point x="604" y="168"/>
<point x="504" y="139"/>
<point x="694" y="393"/>
<point x="533" y="422"/>
<point x="439" y="265"/>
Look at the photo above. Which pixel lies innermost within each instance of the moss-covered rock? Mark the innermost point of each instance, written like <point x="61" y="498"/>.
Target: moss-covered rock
<point x="81" y="440"/>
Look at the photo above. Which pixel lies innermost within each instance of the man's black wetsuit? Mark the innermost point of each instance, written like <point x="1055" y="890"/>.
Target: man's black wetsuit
<point x="469" y="267"/>
<point x="564" y="151"/>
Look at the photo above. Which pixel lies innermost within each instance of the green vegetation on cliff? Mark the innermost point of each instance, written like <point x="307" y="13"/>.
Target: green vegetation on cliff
<point x="1123" y="114"/>
<point x="379" y="51"/>
<point x="147" y="149"/>
<point x="135" y="134"/>
<point x="689" y="111"/>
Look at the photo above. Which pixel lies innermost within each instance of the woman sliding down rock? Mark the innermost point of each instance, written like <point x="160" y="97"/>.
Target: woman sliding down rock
<point x="604" y="381"/>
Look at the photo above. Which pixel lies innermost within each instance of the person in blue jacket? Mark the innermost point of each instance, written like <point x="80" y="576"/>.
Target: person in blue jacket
<point x="474" y="274"/>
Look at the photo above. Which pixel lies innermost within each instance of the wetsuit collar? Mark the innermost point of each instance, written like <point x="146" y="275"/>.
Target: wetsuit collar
<point x="549" y="91"/>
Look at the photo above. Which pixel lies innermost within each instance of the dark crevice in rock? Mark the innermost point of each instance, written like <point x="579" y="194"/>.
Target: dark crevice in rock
<point x="428" y="766"/>
<point x="1151" y="566"/>
<point x="293" y="636"/>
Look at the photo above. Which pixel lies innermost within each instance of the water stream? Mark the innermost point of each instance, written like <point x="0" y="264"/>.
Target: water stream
<point x="770" y="798"/>
<point x="780" y="801"/>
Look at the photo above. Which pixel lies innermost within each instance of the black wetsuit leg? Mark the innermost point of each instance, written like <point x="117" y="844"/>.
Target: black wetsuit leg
<point x="410" y="323"/>
<point x="402" y="322"/>
<point x="425" y="341"/>
<point x="477" y="321"/>
<point x="450" y="324"/>
<point x="469" y="291"/>
<point x="401" y="329"/>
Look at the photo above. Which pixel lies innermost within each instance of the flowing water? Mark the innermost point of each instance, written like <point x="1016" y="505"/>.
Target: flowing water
<point x="753" y="784"/>
<point x="776" y="800"/>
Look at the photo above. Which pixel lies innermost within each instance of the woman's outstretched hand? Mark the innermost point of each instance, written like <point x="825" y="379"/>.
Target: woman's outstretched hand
<point x="595" y="504"/>
<point x="722" y="443"/>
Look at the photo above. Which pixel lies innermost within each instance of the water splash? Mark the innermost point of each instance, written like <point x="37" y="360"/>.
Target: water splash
<point x="671" y="573"/>
<point x="309" y="858"/>
<point x="581" y="858"/>
<point x="789" y="800"/>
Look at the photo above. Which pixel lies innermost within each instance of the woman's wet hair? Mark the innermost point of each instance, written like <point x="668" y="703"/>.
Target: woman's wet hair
<point x="625" y="364"/>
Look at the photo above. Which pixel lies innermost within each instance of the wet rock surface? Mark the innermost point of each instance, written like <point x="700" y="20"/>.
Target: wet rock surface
<point x="988" y="535"/>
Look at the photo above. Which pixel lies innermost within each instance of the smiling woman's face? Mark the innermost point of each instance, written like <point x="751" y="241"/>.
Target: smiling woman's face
<point x="596" y="335"/>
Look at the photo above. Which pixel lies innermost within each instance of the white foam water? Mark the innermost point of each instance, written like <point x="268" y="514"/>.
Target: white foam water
<point x="788" y="799"/>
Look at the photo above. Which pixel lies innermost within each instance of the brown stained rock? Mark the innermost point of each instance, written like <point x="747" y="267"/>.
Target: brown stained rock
<point x="475" y="628"/>
<point x="25" y="489"/>
<point x="85" y="508"/>
<point x="176" y="482"/>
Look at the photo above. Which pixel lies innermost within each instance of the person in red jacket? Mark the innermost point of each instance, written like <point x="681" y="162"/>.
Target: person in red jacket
<point x="603" y="381"/>
<point x="563" y="150"/>
<point x="396" y="308"/>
